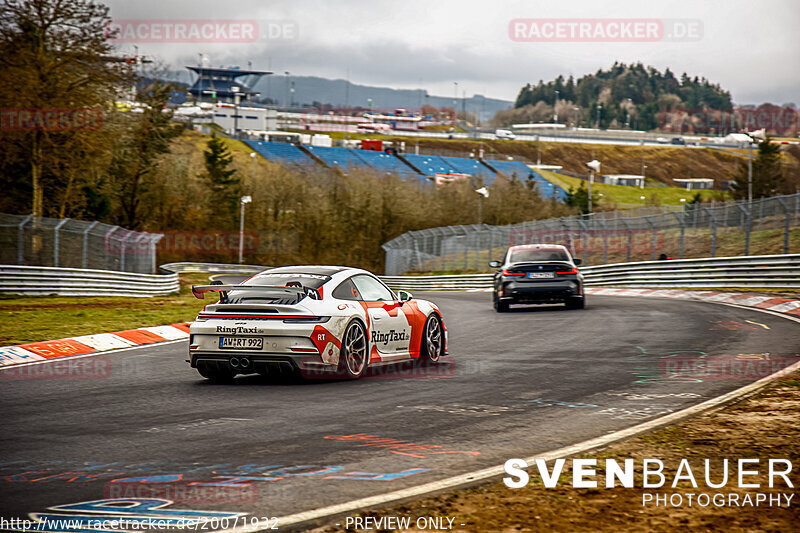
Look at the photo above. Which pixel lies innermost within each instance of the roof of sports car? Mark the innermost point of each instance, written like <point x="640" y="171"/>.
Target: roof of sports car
<point x="320" y="270"/>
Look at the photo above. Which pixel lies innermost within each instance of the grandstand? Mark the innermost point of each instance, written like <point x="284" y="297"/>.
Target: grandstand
<point x="345" y="159"/>
<point x="280" y="153"/>
<point x="522" y="172"/>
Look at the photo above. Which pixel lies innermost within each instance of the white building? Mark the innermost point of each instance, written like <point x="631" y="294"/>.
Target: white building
<point x="631" y="180"/>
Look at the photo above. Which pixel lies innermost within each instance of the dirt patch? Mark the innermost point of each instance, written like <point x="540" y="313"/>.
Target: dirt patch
<point x="763" y="426"/>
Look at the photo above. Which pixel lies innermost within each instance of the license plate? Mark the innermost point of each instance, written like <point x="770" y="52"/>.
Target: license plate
<point x="241" y="343"/>
<point x="541" y="275"/>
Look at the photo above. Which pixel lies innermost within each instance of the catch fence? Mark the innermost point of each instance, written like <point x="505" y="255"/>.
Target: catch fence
<point x="763" y="226"/>
<point x="69" y="243"/>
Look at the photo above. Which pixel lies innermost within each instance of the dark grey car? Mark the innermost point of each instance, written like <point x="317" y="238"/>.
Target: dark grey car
<point x="537" y="274"/>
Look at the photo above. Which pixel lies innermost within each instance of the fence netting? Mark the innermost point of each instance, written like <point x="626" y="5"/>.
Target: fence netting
<point x="757" y="227"/>
<point x="69" y="243"/>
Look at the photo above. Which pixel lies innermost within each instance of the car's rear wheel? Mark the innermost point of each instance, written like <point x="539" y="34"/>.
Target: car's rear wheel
<point x="500" y="307"/>
<point x="354" y="354"/>
<point x="432" y="344"/>
<point x="216" y="372"/>
<point x="576" y="302"/>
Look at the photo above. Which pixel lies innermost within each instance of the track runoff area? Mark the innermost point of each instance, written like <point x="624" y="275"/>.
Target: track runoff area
<point x="147" y="444"/>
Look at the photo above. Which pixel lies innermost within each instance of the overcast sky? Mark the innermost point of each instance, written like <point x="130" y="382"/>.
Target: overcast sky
<point x="749" y="47"/>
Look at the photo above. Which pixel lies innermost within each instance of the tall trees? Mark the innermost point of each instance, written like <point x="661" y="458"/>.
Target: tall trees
<point x="53" y="56"/>
<point x="767" y="173"/>
<point x="223" y="181"/>
<point x="143" y="137"/>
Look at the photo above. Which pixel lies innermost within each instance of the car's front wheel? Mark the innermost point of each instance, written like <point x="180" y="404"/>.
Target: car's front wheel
<point x="432" y="344"/>
<point x="354" y="355"/>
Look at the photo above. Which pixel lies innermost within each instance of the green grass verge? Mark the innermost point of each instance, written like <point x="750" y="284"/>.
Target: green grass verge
<point x="622" y="194"/>
<point x="42" y="318"/>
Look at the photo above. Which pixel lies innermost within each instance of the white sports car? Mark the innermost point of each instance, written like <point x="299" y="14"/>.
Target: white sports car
<point x="315" y="320"/>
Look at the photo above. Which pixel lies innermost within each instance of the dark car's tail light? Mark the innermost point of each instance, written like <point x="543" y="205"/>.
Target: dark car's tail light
<point x="573" y="271"/>
<point x="508" y="273"/>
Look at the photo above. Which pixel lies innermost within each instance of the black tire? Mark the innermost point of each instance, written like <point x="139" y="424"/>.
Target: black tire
<point x="431" y="346"/>
<point x="354" y="355"/>
<point x="576" y="302"/>
<point x="500" y="307"/>
<point x="216" y="372"/>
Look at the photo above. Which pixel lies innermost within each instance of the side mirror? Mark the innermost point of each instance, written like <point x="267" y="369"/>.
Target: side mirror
<point x="404" y="296"/>
<point x="577" y="262"/>
<point x="494" y="264"/>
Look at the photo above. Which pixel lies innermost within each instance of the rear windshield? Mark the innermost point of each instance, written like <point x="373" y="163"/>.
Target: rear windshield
<point x="276" y="279"/>
<point x="534" y="256"/>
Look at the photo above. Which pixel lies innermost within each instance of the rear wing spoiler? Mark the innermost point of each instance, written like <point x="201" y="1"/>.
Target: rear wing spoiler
<point x="199" y="290"/>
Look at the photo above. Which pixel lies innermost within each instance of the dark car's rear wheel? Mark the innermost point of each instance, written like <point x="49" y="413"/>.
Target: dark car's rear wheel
<point x="216" y="372"/>
<point x="432" y="344"/>
<point x="576" y="302"/>
<point x="500" y="306"/>
<point x="354" y="354"/>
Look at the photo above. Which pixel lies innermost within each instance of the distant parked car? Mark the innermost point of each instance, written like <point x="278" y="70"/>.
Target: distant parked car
<point x="678" y="141"/>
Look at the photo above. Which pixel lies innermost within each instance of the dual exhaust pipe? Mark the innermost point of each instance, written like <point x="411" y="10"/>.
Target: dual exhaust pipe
<point x="240" y="362"/>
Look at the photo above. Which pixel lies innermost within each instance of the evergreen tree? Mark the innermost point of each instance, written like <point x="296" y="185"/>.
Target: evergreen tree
<point x="767" y="173"/>
<point x="223" y="181"/>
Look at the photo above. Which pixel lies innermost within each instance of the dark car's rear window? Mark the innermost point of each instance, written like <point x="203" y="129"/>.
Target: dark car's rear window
<point x="521" y="256"/>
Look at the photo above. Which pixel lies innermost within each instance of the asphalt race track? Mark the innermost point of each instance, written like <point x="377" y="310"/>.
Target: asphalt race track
<point x="517" y="384"/>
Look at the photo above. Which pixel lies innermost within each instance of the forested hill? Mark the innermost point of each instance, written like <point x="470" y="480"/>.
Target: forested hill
<point x="630" y="95"/>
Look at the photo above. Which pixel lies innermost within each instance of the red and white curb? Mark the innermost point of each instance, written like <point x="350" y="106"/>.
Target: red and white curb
<point x="770" y="303"/>
<point x="89" y="344"/>
<point x="788" y="306"/>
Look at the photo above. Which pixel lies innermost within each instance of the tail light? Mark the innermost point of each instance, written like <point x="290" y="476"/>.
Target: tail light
<point x="573" y="271"/>
<point x="507" y="273"/>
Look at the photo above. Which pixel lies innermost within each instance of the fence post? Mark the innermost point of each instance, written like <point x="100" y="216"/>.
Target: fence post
<point x="654" y="235"/>
<point x="713" y="222"/>
<point x="491" y="242"/>
<point x="85" y="256"/>
<point x="680" y="220"/>
<point x="153" y="242"/>
<point x="21" y="240"/>
<point x="786" y="224"/>
<point x="747" y="223"/>
<point x="56" y="240"/>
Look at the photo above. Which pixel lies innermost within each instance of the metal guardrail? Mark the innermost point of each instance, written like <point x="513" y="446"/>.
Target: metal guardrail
<point x="775" y="271"/>
<point x="782" y="271"/>
<point x="31" y="280"/>
<point x="212" y="267"/>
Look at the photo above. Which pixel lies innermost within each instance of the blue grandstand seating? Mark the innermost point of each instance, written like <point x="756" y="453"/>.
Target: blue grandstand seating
<point x="342" y="158"/>
<point x="522" y="172"/>
<point x="345" y="158"/>
<point x="385" y="163"/>
<point x="281" y="153"/>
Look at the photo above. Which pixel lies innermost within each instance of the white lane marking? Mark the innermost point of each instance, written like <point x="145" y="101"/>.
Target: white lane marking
<point x="94" y="354"/>
<point x="497" y="471"/>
